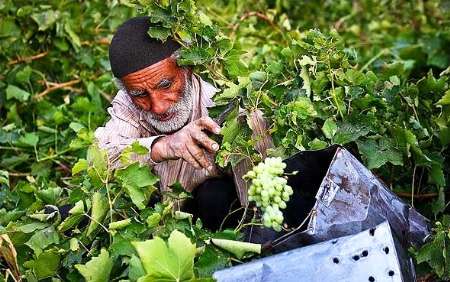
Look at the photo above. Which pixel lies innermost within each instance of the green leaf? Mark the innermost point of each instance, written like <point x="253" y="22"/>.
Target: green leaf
<point x="72" y="35"/>
<point x="317" y="144"/>
<point x="97" y="158"/>
<point x="98" y="269"/>
<point x="445" y="100"/>
<point x="78" y="208"/>
<point x="99" y="208"/>
<point x="121" y="246"/>
<point x="139" y="183"/>
<point x="379" y="153"/>
<point x="8" y="28"/>
<point x="136" y="270"/>
<point x="173" y="261"/>
<point x="234" y="65"/>
<point x="301" y="108"/>
<point x="119" y="224"/>
<point x="42" y="239"/>
<point x="160" y="33"/>
<point x="98" y="164"/>
<point x="49" y="195"/>
<point x="355" y="77"/>
<point x="28" y="140"/>
<point x="433" y="253"/>
<point x="4" y="177"/>
<point x="352" y="129"/>
<point x="17" y="93"/>
<point x="194" y="56"/>
<point x="69" y="222"/>
<point x="46" y="264"/>
<point x="23" y="75"/>
<point x="32" y="227"/>
<point x="210" y="261"/>
<point x="45" y="19"/>
<point x="153" y="220"/>
<point x="126" y="157"/>
<point x="306" y="81"/>
<point x="329" y="128"/>
<point x="237" y="248"/>
<point x="80" y="165"/>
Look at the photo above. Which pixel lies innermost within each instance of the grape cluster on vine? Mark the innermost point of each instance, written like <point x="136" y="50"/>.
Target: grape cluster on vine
<point x="269" y="190"/>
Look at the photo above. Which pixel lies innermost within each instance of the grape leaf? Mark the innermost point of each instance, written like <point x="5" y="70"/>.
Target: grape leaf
<point x="99" y="208"/>
<point x="17" y="93"/>
<point x="46" y="264"/>
<point x="379" y="153"/>
<point x="97" y="269"/>
<point x="139" y="183"/>
<point x="172" y="261"/>
<point x="42" y="239"/>
<point x="237" y="248"/>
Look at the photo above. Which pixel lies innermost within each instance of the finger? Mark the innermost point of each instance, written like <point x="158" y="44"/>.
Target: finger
<point x="203" y="140"/>
<point x="187" y="156"/>
<point x="208" y="124"/>
<point x="199" y="156"/>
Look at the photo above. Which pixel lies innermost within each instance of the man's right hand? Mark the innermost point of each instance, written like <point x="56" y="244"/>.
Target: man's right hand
<point x="189" y="144"/>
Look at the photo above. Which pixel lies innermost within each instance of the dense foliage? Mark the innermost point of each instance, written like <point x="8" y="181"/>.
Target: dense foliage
<point x="370" y="75"/>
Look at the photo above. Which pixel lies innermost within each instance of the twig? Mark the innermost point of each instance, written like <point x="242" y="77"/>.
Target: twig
<point x="374" y="58"/>
<point x="251" y="14"/>
<point x="101" y="41"/>
<point x="19" y="174"/>
<point x="27" y="59"/>
<point x="229" y="213"/>
<point x="285" y="236"/>
<point x="106" y="96"/>
<point x="413" y="185"/>
<point x="417" y="196"/>
<point x="56" y="87"/>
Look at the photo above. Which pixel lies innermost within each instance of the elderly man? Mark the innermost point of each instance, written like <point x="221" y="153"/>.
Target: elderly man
<point x="164" y="107"/>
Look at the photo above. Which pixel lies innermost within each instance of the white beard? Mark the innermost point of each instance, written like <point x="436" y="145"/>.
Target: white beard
<point x="182" y="110"/>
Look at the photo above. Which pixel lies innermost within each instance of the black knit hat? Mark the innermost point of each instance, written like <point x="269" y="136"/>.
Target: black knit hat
<point x="133" y="49"/>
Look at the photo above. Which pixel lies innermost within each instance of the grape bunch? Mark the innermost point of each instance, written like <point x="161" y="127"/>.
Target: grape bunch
<point x="269" y="190"/>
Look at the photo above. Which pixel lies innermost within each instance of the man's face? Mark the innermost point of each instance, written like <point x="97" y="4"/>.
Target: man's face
<point x="163" y="90"/>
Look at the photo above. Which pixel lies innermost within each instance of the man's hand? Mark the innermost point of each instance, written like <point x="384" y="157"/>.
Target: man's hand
<point x="189" y="143"/>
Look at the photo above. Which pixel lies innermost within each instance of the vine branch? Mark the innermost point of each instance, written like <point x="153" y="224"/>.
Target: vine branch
<point x="57" y="86"/>
<point x="27" y="59"/>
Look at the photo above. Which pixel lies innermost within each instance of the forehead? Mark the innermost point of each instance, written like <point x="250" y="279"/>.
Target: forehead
<point x="166" y="68"/>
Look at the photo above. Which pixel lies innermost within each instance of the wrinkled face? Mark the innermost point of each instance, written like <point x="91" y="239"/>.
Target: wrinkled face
<point x="163" y="90"/>
<point x="156" y="87"/>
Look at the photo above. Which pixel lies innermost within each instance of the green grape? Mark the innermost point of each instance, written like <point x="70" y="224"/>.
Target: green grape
<point x="269" y="190"/>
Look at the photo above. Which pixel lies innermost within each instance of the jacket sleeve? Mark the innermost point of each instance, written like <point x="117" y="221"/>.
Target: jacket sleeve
<point x="122" y="130"/>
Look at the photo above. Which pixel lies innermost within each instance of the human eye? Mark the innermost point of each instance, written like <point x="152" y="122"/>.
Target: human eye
<point x="137" y="92"/>
<point x="164" y="84"/>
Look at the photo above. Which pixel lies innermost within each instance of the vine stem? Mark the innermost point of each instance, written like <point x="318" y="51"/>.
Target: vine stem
<point x="26" y="59"/>
<point x="229" y="213"/>
<point x="96" y="221"/>
<point x="56" y="87"/>
<point x="413" y="185"/>
<point x="333" y="89"/>
<point x="106" y="182"/>
<point x="240" y="225"/>
<point x="248" y="224"/>
<point x="374" y="58"/>
<point x="285" y="236"/>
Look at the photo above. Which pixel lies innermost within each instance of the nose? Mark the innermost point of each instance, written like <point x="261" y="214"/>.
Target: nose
<point x="158" y="106"/>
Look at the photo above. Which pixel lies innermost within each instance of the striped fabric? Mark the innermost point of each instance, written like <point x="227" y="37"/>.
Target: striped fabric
<point x="128" y="124"/>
